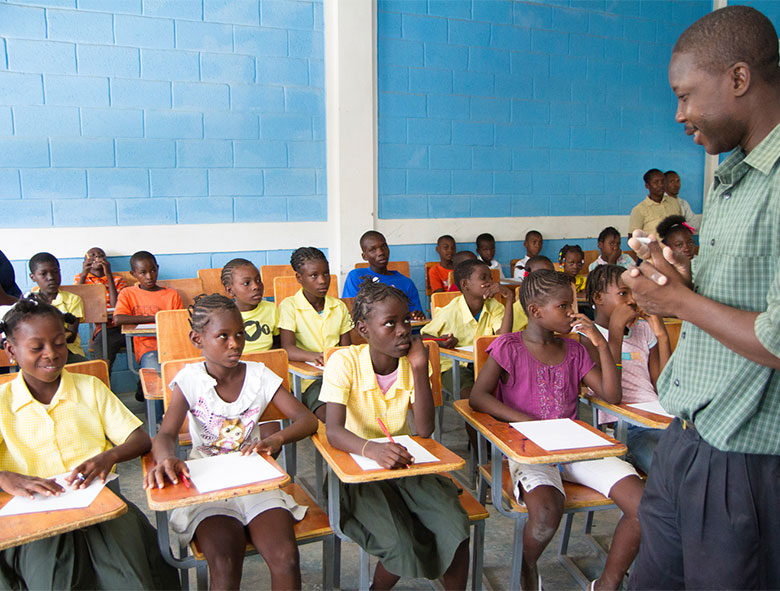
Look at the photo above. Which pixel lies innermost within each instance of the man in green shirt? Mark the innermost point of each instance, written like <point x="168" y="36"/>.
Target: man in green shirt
<point x="710" y="514"/>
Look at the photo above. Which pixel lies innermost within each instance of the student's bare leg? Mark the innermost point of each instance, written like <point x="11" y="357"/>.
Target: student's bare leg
<point x="545" y="509"/>
<point x="272" y="534"/>
<point x="625" y="542"/>
<point x="383" y="579"/>
<point x="223" y="542"/>
<point x="457" y="574"/>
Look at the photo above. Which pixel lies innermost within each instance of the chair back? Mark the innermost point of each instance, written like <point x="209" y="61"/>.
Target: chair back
<point x="94" y="297"/>
<point x="512" y="264"/>
<point x="274" y="359"/>
<point x="480" y="351"/>
<point x="188" y="288"/>
<point x="590" y="256"/>
<point x="97" y="368"/>
<point x="269" y="272"/>
<point x="212" y="281"/>
<point x="127" y="276"/>
<point x="354" y="334"/>
<point x="441" y="299"/>
<point x="673" y="326"/>
<point x="173" y="335"/>
<point x="433" y="360"/>
<point x="428" y="266"/>
<point x="286" y="286"/>
<point x="5" y="360"/>
<point x="401" y="266"/>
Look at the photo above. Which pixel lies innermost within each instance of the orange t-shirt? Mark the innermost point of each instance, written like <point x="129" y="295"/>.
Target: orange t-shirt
<point x="134" y="301"/>
<point x="118" y="282"/>
<point x="439" y="277"/>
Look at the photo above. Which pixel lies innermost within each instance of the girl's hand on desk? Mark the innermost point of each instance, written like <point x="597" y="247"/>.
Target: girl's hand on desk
<point x="20" y="485"/>
<point x="268" y="446"/>
<point x="96" y="467"/>
<point x="450" y="343"/>
<point x="170" y="467"/>
<point x="318" y="358"/>
<point x="417" y="315"/>
<point x="389" y="455"/>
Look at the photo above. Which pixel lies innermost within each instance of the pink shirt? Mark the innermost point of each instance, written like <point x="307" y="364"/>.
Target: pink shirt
<point x="384" y="382"/>
<point x="541" y="391"/>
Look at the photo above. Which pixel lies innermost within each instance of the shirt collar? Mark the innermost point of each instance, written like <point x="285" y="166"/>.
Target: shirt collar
<point x="301" y="303"/>
<point x="21" y="396"/>
<point x="763" y="158"/>
<point x="466" y="311"/>
<point x="367" y="376"/>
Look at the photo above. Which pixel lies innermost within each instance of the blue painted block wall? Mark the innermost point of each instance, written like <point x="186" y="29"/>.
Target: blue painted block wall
<point x="148" y="112"/>
<point x="495" y="107"/>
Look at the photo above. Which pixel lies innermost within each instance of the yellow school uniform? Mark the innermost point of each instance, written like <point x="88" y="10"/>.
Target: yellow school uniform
<point x="314" y="331"/>
<point x="349" y="379"/>
<point x="519" y="319"/>
<point x="455" y="318"/>
<point x="261" y="325"/>
<point x="67" y="302"/>
<point x="83" y="419"/>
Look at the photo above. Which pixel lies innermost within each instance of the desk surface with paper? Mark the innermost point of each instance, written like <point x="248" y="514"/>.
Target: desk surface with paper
<point x="517" y="446"/>
<point x="645" y="414"/>
<point x="210" y="473"/>
<point x="135" y="330"/>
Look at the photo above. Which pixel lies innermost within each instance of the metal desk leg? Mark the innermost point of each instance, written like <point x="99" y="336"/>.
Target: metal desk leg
<point x="130" y="355"/>
<point x="151" y="417"/>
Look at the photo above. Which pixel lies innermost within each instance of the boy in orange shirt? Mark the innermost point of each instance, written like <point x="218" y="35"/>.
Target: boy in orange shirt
<point x="138" y="305"/>
<point x="439" y="275"/>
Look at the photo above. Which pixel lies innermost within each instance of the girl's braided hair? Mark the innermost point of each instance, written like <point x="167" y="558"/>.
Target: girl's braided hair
<point x="600" y="278"/>
<point x="372" y="291"/>
<point x="26" y="308"/>
<point x="205" y="305"/>
<point x="227" y="271"/>
<point x="304" y="254"/>
<point x="672" y="223"/>
<point x="538" y="286"/>
<point x="567" y="248"/>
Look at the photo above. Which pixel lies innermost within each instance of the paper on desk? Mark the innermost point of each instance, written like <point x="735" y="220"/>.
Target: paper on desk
<point x="417" y="451"/>
<point x="145" y="326"/>
<point x="317" y="365"/>
<point x="229" y="470"/>
<point x="70" y="499"/>
<point x="557" y="434"/>
<point x="469" y="348"/>
<point x="654" y="407"/>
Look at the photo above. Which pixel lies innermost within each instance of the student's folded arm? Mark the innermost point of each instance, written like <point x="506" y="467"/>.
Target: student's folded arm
<point x="509" y="313"/>
<point x="483" y="399"/>
<point x="605" y="384"/>
<point x="338" y="435"/>
<point x="422" y="406"/>
<point x="295" y="353"/>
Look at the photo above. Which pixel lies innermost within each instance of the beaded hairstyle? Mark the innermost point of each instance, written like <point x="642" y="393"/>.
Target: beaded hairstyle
<point x="205" y="305"/>
<point x="567" y="248"/>
<point x="370" y="293"/>
<point x="26" y="308"/>
<point x="537" y="286"/>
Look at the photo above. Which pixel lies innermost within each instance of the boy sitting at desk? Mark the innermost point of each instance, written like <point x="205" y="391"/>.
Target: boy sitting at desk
<point x="486" y="249"/>
<point x="377" y="254"/>
<point x="439" y="274"/>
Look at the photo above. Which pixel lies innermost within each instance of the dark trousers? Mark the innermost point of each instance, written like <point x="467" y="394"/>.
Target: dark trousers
<point x="710" y="519"/>
<point x="115" y="339"/>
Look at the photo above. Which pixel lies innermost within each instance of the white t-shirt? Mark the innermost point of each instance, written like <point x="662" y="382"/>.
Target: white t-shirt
<point x="217" y="426"/>
<point x="519" y="271"/>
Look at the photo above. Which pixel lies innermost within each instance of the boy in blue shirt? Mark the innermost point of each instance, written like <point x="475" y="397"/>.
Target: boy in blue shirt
<point x="376" y="253"/>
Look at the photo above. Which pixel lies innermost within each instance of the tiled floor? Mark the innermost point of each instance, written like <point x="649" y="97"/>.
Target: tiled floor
<point x="498" y="537"/>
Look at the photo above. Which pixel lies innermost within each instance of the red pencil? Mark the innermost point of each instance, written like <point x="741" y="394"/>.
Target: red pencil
<point x="442" y="339"/>
<point x="185" y="480"/>
<point x="385" y="431"/>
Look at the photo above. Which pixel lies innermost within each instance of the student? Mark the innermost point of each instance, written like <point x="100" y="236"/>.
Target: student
<point x="439" y="274"/>
<point x="653" y="208"/>
<point x="675" y="233"/>
<point x="45" y="272"/>
<point x="672" y="189"/>
<point x="414" y="525"/>
<point x="458" y="258"/>
<point x="533" y="246"/>
<point x="97" y="270"/>
<point x="54" y="422"/>
<point x="376" y="252"/>
<point x="474" y="313"/>
<point x="242" y="282"/>
<point x="225" y="391"/>
<point x="486" y="249"/>
<point x="641" y="345"/>
<point x="138" y="304"/>
<point x="609" y="250"/>
<point x="8" y="280"/>
<point x="535" y="375"/>
<point x="311" y="321"/>
<point x="571" y="258"/>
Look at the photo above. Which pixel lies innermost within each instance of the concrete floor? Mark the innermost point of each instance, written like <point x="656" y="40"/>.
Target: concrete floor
<point x="498" y="534"/>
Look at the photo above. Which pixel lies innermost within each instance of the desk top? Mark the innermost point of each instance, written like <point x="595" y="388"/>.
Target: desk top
<point x="134" y="331"/>
<point x="178" y="495"/>
<point x="349" y="472"/>
<point x="151" y="384"/>
<point x="458" y="354"/>
<point x="16" y="530"/>
<point x="519" y="448"/>
<point x="302" y="368"/>
<point x="634" y="415"/>
<point x="419" y="323"/>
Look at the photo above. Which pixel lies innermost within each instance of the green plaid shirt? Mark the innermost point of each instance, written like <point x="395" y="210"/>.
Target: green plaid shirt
<point x="735" y="403"/>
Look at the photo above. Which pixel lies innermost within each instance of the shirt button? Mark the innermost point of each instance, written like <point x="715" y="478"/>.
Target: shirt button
<point x="712" y="242"/>
<point x="727" y="196"/>
<point x="677" y="383"/>
<point x="682" y="336"/>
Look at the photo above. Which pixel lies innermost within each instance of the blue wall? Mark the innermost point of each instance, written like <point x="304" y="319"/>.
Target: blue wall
<point x="161" y="112"/>
<point x="494" y="108"/>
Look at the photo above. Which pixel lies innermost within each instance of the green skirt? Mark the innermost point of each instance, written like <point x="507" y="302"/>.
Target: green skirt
<point x="118" y="554"/>
<point x="413" y="525"/>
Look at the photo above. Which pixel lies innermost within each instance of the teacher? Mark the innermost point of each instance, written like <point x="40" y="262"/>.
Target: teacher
<point x="710" y="514"/>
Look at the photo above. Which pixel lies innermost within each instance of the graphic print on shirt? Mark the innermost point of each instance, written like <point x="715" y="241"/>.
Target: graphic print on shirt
<point x="253" y="330"/>
<point x="223" y="434"/>
<point x="551" y="388"/>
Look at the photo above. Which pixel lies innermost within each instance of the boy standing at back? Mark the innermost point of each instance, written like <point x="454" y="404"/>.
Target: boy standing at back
<point x="45" y="272"/>
<point x="439" y="274"/>
<point x="672" y="189"/>
<point x="649" y="212"/>
<point x="377" y="254"/>
<point x="486" y="250"/>
<point x="139" y="303"/>
<point x="533" y="246"/>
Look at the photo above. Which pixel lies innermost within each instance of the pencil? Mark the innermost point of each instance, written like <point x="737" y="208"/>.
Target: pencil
<point x="385" y="431"/>
<point x="425" y="338"/>
<point x="185" y="480"/>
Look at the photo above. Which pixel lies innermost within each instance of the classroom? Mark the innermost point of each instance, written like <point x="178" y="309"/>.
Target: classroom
<point x="204" y="131"/>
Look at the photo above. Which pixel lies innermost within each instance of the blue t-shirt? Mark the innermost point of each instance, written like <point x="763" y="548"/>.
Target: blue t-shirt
<point x="394" y="278"/>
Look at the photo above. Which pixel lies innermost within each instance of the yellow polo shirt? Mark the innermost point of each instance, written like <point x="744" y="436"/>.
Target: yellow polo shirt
<point x="68" y="302"/>
<point x="83" y="419"/>
<point x="349" y="379"/>
<point x="260" y="327"/>
<point x="455" y="318"/>
<point x="519" y="319"/>
<point x="648" y="214"/>
<point x="314" y="331"/>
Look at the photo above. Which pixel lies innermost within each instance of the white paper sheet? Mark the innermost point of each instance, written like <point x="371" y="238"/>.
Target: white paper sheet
<point x="469" y="348"/>
<point x="145" y="326"/>
<point x="317" y="365"/>
<point x="557" y="434"/>
<point x="70" y="499"/>
<point x="417" y="451"/>
<point x="229" y="470"/>
<point x="654" y="407"/>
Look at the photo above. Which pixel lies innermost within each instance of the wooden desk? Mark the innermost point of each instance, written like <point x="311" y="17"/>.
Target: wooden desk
<point x="178" y="495"/>
<point x="420" y="323"/>
<point x="301" y="370"/>
<point x="627" y="415"/>
<point x="457" y="355"/>
<point x="130" y="331"/>
<point x="16" y="530"/>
